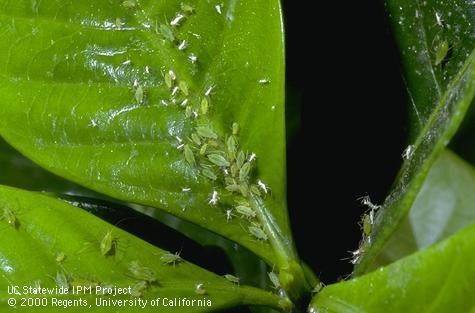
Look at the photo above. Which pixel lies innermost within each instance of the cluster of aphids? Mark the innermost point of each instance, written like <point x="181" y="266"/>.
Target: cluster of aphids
<point x="367" y="225"/>
<point x="222" y="161"/>
<point x="218" y="159"/>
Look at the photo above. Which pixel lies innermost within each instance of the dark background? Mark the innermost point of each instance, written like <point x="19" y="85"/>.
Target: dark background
<point x="346" y="118"/>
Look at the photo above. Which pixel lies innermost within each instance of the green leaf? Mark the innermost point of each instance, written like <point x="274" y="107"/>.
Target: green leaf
<point x="54" y="238"/>
<point x="444" y="205"/>
<point x="437" y="279"/>
<point x="439" y="98"/>
<point x="73" y="69"/>
<point x="18" y="171"/>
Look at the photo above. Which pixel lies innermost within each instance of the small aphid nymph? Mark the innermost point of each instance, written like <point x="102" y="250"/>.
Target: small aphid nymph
<point x="188" y="9"/>
<point x="204" y="106"/>
<point x="196" y="139"/>
<point x="60" y="257"/>
<point x="219" y="9"/>
<point x="206" y="132"/>
<point x="441" y="52"/>
<point x="244" y="172"/>
<point x="62" y="281"/>
<point x="184" y="87"/>
<point x="258" y="233"/>
<point x="235" y="128"/>
<point x="129" y="4"/>
<point x="211" y="175"/>
<point x="10" y="217"/>
<point x="167" y="32"/>
<point x="245" y="211"/>
<point x="139" y="94"/>
<point x="171" y="258"/>
<point x="189" y="155"/>
<point x="142" y="273"/>
<point x="138" y="289"/>
<point x="232" y="278"/>
<point x="108" y="244"/>
<point x="274" y="279"/>
<point x="218" y="160"/>
<point x="118" y="23"/>
<point x="367" y="224"/>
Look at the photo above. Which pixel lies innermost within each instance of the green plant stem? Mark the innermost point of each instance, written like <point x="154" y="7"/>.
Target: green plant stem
<point x="291" y="272"/>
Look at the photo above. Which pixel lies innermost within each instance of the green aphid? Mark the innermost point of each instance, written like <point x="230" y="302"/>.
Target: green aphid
<point x="200" y="289"/>
<point x="118" y="23"/>
<point x="209" y="173"/>
<point x="441" y="52"/>
<point x="206" y="132"/>
<point x="184" y="87"/>
<point x="196" y="139"/>
<point x="10" y="217"/>
<point x="188" y="112"/>
<point x="60" y="257"/>
<point x="231" y="144"/>
<point x="229" y="181"/>
<point x="255" y="190"/>
<point x="213" y="143"/>
<point x="274" y="278"/>
<point x="203" y="149"/>
<point x="139" y="94"/>
<point x="258" y="233"/>
<point x="62" y="281"/>
<point x="245" y="211"/>
<point x="244" y="189"/>
<point x="204" y="106"/>
<point x="129" y="4"/>
<point x="108" y="244"/>
<point x="142" y="273"/>
<point x="367" y="226"/>
<point x="240" y="159"/>
<point x="188" y="9"/>
<point x="138" y="289"/>
<point x="232" y="278"/>
<point x="244" y="172"/>
<point x="171" y="258"/>
<point x="218" y="160"/>
<point x="168" y="80"/>
<point x="233" y="188"/>
<point x="234" y="170"/>
<point x="167" y="32"/>
<point x="189" y="155"/>
<point x="235" y="128"/>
